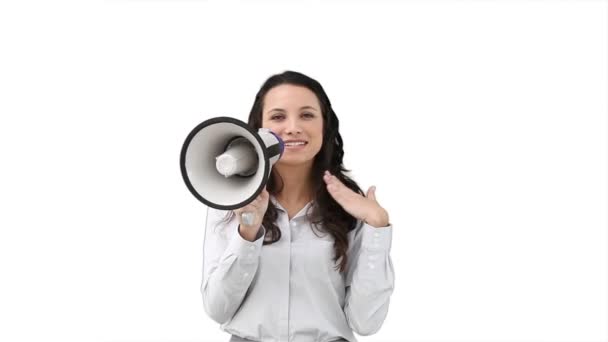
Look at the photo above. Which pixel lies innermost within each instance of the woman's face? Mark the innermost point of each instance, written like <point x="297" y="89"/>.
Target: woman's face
<point x="294" y="114"/>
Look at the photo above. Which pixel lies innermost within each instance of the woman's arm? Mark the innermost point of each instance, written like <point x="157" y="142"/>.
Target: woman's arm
<point x="370" y="278"/>
<point x="229" y="265"/>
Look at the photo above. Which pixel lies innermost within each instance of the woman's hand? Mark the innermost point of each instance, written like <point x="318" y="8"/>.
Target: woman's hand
<point x="249" y="230"/>
<point x="365" y="209"/>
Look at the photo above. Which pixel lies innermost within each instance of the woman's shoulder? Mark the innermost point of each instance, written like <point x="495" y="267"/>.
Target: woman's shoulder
<point x="218" y="219"/>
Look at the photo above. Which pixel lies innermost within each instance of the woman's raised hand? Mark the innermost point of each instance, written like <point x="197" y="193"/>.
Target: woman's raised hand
<point x="366" y="208"/>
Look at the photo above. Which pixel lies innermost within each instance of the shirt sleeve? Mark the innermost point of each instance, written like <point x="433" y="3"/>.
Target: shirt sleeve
<point x="370" y="278"/>
<point x="229" y="265"/>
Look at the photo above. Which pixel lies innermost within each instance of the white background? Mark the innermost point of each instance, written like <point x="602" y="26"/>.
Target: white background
<point x="483" y="125"/>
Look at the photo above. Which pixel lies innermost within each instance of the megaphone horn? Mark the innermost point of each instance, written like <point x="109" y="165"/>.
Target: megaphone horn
<point x="226" y="164"/>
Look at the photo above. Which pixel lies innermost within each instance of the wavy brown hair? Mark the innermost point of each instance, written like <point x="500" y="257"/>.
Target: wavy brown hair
<point x="326" y="215"/>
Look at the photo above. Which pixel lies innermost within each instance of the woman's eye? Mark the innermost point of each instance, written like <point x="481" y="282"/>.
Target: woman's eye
<point x="280" y="117"/>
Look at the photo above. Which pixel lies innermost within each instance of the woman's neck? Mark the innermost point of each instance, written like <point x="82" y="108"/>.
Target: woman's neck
<point x="297" y="184"/>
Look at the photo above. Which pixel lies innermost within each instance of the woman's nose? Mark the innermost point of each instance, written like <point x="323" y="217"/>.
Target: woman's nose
<point x="292" y="127"/>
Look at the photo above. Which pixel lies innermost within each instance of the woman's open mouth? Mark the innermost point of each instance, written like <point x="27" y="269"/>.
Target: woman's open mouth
<point x="295" y="144"/>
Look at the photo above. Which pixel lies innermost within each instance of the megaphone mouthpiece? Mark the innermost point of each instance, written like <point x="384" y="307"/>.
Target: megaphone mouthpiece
<point x="240" y="158"/>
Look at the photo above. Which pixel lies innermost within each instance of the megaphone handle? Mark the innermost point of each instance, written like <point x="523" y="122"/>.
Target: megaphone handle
<point x="248" y="218"/>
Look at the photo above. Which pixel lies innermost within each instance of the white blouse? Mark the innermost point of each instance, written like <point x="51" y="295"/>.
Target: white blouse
<point x="289" y="290"/>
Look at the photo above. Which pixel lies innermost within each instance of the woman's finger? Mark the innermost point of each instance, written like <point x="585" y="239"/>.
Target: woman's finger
<point x="249" y="207"/>
<point x="336" y="181"/>
<point x="371" y="193"/>
<point x="328" y="177"/>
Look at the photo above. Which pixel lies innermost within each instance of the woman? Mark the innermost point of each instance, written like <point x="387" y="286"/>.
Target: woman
<point x="315" y="264"/>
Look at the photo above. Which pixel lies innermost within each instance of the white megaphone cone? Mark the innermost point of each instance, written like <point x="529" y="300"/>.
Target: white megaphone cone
<point x="226" y="164"/>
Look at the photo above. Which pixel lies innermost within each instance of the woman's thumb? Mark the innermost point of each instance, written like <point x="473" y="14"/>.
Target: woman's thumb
<point x="371" y="192"/>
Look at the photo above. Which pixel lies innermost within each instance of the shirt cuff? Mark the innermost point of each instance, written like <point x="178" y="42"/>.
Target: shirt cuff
<point x="247" y="252"/>
<point x="377" y="239"/>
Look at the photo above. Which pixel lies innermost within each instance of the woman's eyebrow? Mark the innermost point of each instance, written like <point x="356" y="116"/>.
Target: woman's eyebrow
<point x="282" y="110"/>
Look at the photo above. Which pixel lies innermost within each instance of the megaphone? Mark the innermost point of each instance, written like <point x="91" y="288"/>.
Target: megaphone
<point x="226" y="164"/>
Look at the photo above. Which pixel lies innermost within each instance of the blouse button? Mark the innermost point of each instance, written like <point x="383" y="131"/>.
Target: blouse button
<point x="370" y="265"/>
<point x="245" y="275"/>
<point x="376" y="234"/>
<point x="252" y="247"/>
<point x="293" y="224"/>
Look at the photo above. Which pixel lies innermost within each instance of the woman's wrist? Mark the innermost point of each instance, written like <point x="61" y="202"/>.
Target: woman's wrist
<point x="377" y="224"/>
<point x="377" y="219"/>
<point x="248" y="233"/>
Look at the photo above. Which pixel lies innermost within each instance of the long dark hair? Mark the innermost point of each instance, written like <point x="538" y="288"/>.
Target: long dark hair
<point x="327" y="215"/>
